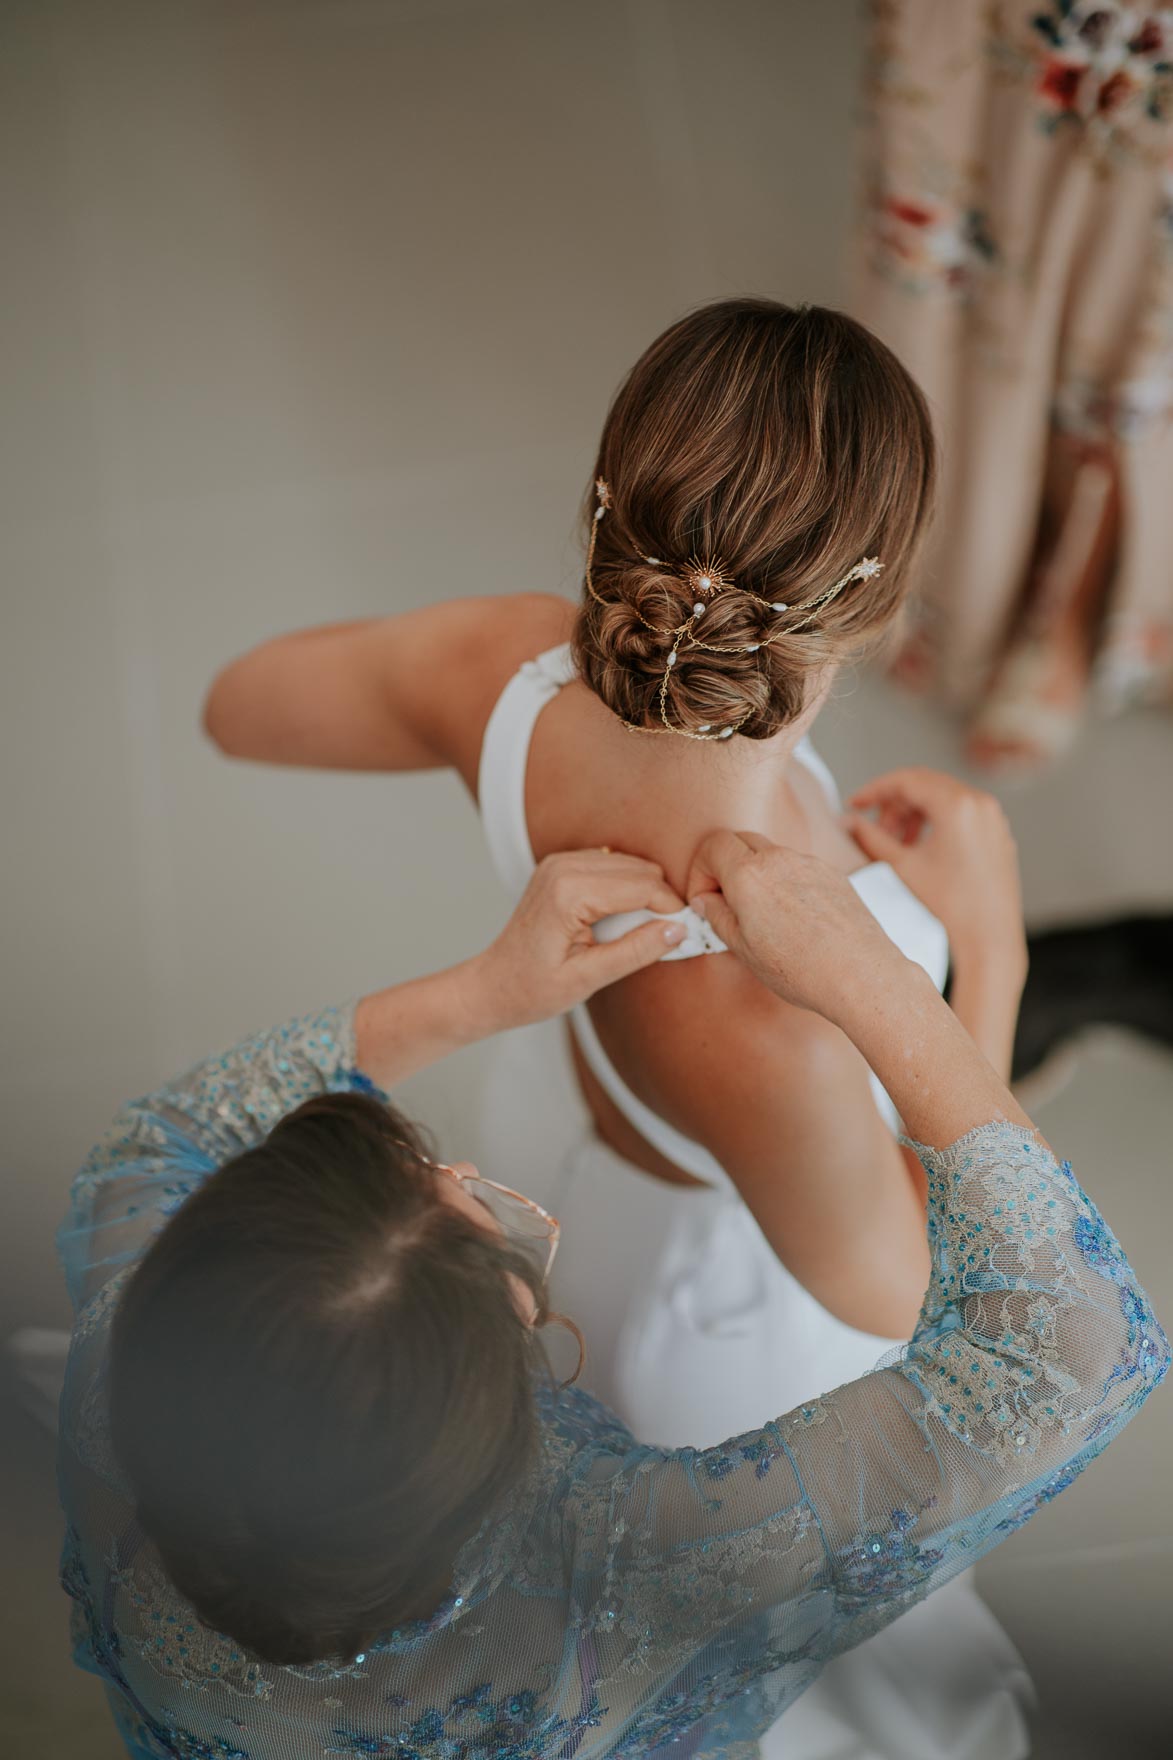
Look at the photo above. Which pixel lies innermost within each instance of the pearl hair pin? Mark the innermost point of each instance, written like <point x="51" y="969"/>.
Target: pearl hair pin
<point x="705" y="577"/>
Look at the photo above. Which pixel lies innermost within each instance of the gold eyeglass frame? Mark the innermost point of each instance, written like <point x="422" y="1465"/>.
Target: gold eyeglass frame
<point x="552" y="1223"/>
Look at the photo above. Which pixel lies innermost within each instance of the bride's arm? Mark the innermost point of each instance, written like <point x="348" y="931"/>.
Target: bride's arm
<point x="391" y="693"/>
<point x="952" y="845"/>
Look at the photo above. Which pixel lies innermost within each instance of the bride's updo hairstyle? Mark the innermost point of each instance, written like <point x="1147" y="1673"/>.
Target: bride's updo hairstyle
<point x="761" y="447"/>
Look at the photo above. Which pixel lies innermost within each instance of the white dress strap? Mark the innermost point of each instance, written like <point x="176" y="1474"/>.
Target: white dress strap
<point x="684" y="1152"/>
<point x="501" y="795"/>
<point x="504" y="756"/>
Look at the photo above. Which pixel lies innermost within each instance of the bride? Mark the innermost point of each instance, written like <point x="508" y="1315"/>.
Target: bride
<point x="762" y="481"/>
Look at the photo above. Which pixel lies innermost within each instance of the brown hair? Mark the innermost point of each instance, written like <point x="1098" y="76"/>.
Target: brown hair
<point x="321" y="1385"/>
<point x="784" y="444"/>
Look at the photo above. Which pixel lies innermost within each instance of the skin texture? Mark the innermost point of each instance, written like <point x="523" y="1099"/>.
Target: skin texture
<point x="777" y="1093"/>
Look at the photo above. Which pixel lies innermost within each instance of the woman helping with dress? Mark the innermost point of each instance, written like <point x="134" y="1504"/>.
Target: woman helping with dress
<point x="322" y="1496"/>
<point x="762" y="481"/>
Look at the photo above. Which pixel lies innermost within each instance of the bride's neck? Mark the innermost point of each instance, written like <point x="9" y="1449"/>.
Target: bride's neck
<point x="657" y="794"/>
<point x="737" y="778"/>
<point x="679" y="789"/>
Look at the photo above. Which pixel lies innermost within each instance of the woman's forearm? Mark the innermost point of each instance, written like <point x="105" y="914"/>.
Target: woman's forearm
<point x="940" y="1081"/>
<point x="408" y="1027"/>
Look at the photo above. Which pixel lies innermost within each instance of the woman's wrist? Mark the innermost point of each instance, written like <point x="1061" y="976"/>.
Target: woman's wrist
<point x="410" y="1026"/>
<point x="870" y="989"/>
<point x="877" y="991"/>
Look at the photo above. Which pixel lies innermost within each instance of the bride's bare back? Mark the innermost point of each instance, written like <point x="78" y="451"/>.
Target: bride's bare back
<point x="766" y="1088"/>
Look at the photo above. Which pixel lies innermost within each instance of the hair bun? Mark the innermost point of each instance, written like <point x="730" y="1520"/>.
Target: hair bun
<point x="708" y="683"/>
<point x="791" y="444"/>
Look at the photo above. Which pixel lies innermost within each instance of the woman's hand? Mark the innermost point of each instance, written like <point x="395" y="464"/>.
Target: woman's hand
<point x="544" y="961"/>
<point x="953" y="847"/>
<point x="801" y="928"/>
<point x="795" y="922"/>
<point x="546" y="958"/>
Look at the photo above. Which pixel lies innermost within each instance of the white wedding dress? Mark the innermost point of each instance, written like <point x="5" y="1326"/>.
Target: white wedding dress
<point x="695" y="1329"/>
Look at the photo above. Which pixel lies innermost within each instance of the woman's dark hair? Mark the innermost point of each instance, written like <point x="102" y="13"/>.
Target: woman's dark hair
<point x="785" y="444"/>
<point x="321" y="1384"/>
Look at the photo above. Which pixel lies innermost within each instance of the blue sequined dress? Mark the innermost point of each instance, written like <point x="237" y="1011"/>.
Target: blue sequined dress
<point x="626" y="1599"/>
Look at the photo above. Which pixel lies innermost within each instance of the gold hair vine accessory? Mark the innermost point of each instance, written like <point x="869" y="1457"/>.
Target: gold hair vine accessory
<point x="705" y="579"/>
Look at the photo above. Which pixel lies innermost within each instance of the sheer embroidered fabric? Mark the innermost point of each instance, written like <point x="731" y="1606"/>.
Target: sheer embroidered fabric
<point x="626" y="1598"/>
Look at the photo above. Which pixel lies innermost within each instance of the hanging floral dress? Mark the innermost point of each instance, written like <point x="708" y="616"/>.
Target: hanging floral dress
<point x="1018" y="256"/>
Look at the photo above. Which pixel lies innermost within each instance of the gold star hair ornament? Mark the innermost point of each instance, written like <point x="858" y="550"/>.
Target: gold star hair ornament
<point x="704" y="580"/>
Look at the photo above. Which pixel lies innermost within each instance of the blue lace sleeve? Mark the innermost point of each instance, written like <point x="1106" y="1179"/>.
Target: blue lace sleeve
<point x="732" y="1575"/>
<point x="624" y="1597"/>
<point x="159" y="1148"/>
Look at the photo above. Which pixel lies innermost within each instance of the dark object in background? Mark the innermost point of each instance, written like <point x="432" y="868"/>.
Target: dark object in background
<point x="1117" y="974"/>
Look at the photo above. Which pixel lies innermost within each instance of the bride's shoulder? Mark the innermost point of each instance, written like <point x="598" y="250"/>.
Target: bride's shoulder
<point x="489" y="638"/>
<point x="484" y="641"/>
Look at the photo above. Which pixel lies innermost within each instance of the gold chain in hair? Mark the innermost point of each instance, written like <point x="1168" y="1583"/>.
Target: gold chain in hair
<point x="705" y="579"/>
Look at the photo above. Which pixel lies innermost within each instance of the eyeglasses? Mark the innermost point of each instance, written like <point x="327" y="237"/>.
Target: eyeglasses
<point x="519" y="1218"/>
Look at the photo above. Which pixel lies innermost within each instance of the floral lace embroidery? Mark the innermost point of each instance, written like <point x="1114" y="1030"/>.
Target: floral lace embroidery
<point x="885" y="1564"/>
<point x="173" y="1640"/>
<point x="94" y="1448"/>
<point x="624" y="1597"/>
<point x="476" y="1723"/>
<point x="657" y="1598"/>
<point x="997" y="1382"/>
<point x="99" y="1310"/>
<point x="94" y="1646"/>
<point x="170" y="1742"/>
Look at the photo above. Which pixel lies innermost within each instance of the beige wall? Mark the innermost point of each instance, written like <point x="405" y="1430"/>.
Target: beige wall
<point x="311" y="310"/>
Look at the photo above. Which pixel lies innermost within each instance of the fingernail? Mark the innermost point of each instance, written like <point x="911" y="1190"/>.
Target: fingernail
<point x="674" y="933"/>
<point x="697" y="904"/>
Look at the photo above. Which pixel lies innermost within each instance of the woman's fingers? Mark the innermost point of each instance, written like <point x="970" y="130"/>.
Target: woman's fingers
<point x="715" y="908"/>
<point x="609" y="961"/>
<point x="604" y="883"/>
<point x="604" y="894"/>
<point x="903" y="823"/>
<point x="913" y="787"/>
<point x="717" y="858"/>
<point x="876" y="841"/>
